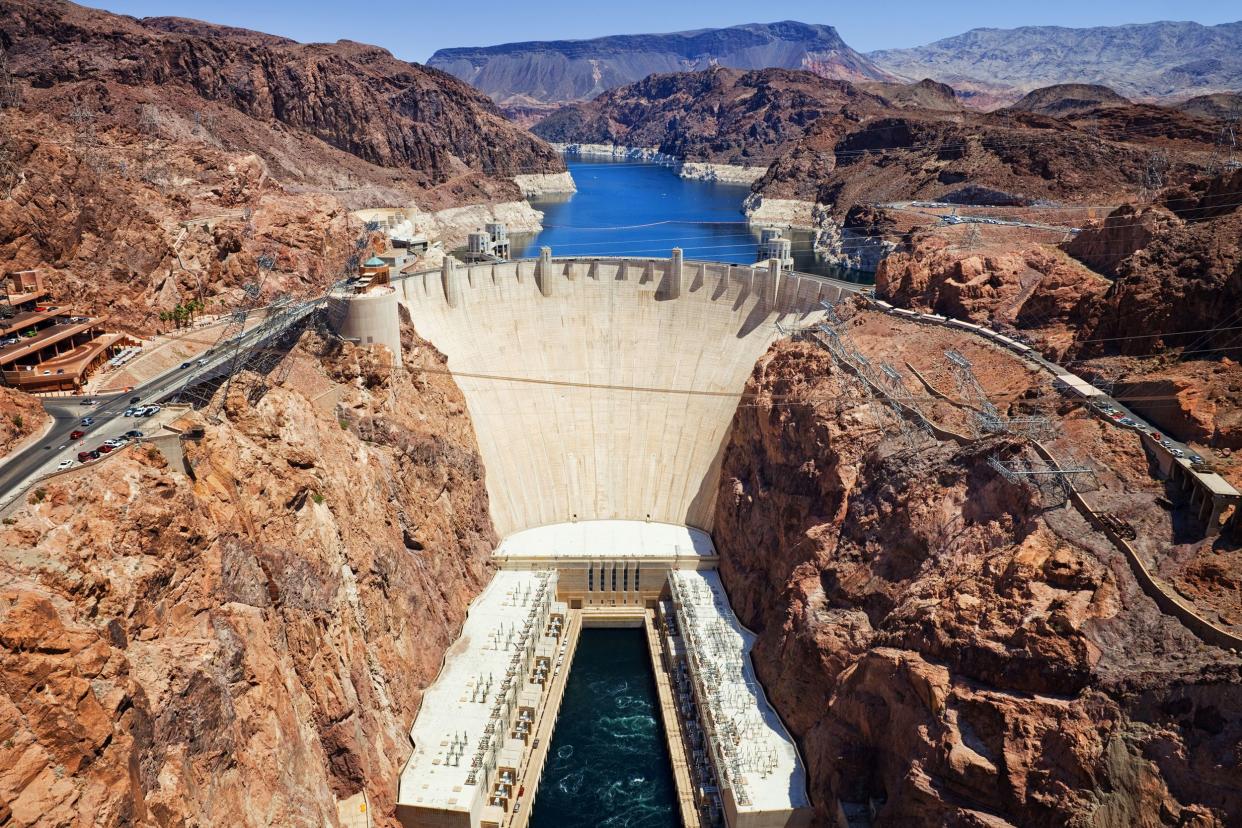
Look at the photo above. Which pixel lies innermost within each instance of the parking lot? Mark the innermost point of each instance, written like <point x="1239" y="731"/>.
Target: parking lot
<point x="97" y="435"/>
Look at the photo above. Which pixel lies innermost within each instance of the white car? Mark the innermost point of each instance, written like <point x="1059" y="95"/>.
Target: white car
<point x="64" y="464"/>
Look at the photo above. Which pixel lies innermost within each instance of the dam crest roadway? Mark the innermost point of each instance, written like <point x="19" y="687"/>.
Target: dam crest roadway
<point x="602" y="391"/>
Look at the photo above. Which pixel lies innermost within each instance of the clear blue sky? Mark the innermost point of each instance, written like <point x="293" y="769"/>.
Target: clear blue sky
<point x="412" y="30"/>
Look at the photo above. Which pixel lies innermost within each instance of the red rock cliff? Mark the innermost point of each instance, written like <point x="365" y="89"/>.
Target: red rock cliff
<point x="246" y="645"/>
<point x="942" y="647"/>
<point x="147" y="163"/>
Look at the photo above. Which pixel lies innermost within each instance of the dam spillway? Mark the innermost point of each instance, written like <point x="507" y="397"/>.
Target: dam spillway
<point x="601" y="393"/>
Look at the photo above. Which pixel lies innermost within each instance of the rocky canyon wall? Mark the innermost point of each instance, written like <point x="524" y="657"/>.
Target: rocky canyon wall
<point x="945" y="649"/>
<point x="21" y="416"/>
<point x="243" y="640"/>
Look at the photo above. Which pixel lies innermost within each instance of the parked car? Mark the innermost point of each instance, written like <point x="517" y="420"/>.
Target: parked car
<point x="84" y="457"/>
<point x="96" y="454"/>
<point x="1128" y="423"/>
<point x="1164" y="441"/>
<point x="1157" y="436"/>
<point x="1178" y="453"/>
<point x="134" y="434"/>
<point x="1196" y="459"/>
<point x="129" y="412"/>
<point x="104" y="448"/>
<point x="77" y="434"/>
<point x="64" y="464"/>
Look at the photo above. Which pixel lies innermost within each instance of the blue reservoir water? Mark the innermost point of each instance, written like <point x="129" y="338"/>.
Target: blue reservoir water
<point x="608" y="764"/>
<point x="631" y="209"/>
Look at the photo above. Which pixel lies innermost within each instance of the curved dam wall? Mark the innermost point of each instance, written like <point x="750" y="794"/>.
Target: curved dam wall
<point x="603" y="389"/>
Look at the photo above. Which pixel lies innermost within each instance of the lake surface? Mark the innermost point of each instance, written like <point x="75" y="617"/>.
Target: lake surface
<point x="625" y="208"/>
<point x="608" y="763"/>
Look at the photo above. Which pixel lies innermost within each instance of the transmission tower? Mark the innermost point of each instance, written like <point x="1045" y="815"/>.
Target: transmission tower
<point x="972" y="238"/>
<point x="1153" y="176"/>
<point x="10" y="170"/>
<point x="894" y="393"/>
<point x="885" y="382"/>
<point x="83" y="118"/>
<point x="149" y="119"/>
<point x="1054" y="481"/>
<point x="10" y="94"/>
<point x="235" y="324"/>
<point x="1224" y="154"/>
<point x="986" y="419"/>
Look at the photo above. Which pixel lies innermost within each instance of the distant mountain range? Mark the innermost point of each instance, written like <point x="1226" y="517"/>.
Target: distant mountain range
<point x="987" y="67"/>
<point x="1148" y="60"/>
<point x="562" y="71"/>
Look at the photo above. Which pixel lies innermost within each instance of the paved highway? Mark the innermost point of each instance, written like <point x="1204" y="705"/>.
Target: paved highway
<point x="21" y="470"/>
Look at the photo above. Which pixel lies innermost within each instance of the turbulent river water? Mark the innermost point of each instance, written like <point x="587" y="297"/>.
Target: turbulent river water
<point x="608" y="764"/>
<point x="632" y="209"/>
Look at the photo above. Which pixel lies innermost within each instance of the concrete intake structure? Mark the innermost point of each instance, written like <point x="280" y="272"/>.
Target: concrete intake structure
<point x="368" y="318"/>
<point x="603" y="389"/>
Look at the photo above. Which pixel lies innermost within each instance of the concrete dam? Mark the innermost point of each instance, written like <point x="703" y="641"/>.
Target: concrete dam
<point x="602" y="391"/>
